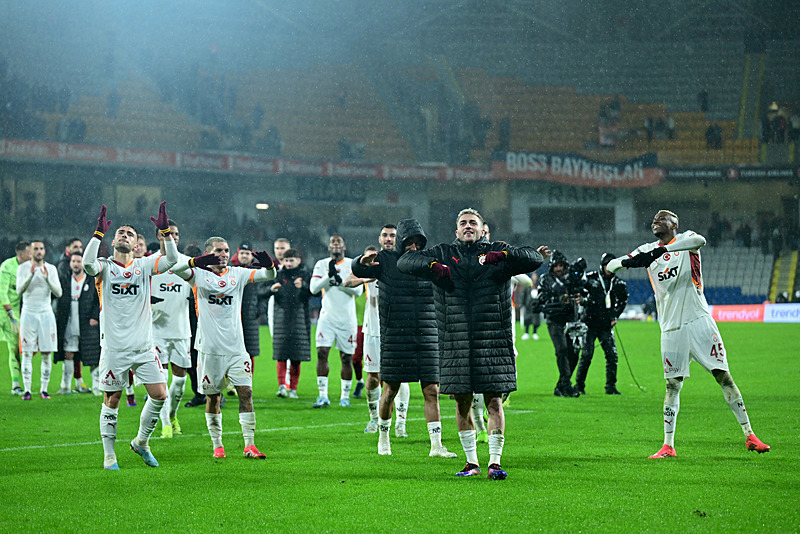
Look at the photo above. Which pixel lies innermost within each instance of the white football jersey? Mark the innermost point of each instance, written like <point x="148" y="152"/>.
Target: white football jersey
<point x="677" y="281"/>
<point x="219" y="310"/>
<point x="338" y="302"/>
<point x="372" y="321"/>
<point x="126" y="322"/>
<point x="170" y="298"/>
<point x="36" y="298"/>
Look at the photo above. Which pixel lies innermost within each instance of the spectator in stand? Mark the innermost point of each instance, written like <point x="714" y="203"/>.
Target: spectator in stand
<point x="702" y="100"/>
<point x="670" y="128"/>
<point x="649" y="128"/>
<point x="661" y="128"/>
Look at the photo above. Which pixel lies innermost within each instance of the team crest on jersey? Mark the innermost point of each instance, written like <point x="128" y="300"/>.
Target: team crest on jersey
<point x="127" y="274"/>
<point x="233" y="282"/>
<point x="137" y="271"/>
<point x="667" y="256"/>
<point x="714" y="338"/>
<point x="222" y="283"/>
<point x="677" y="253"/>
<point x="482" y="259"/>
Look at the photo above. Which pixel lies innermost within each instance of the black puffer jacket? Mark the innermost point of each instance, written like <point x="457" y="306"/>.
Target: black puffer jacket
<point x="291" y="336"/>
<point x="409" y="335"/>
<point x="88" y="308"/>
<point x="250" y="313"/>
<point x="474" y="314"/>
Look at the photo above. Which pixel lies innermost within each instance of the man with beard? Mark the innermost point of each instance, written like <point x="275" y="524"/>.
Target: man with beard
<point x="409" y="348"/>
<point x="126" y="329"/>
<point x="472" y="296"/>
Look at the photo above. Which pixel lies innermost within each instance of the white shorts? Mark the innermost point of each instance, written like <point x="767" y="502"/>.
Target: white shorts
<point x="372" y="354"/>
<point x="72" y="343"/>
<point x="698" y="340"/>
<point x="213" y="369"/>
<point x="114" y="369"/>
<point x="37" y="331"/>
<point x="345" y="338"/>
<point x="174" y="351"/>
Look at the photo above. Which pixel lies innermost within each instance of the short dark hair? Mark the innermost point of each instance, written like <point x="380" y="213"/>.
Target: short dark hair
<point x="292" y="253"/>
<point x="369" y="248"/>
<point x="132" y="227"/>
<point x="22" y="245"/>
<point x="392" y="226"/>
<point x="71" y="240"/>
<point x="170" y="222"/>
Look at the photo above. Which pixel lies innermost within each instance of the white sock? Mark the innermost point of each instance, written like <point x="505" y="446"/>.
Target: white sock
<point x="322" y="386"/>
<point x="164" y="412"/>
<point x="46" y="367"/>
<point x="373" y="399"/>
<point x="27" y="371"/>
<point x="176" y="394"/>
<point x="435" y="433"/>
<point x="66" y="374"/>
<point x="148" y="421"/>
<point x="248" y="422"/>
<point x="469" y="445"/>
<point x="401" y="404"/>
<point x="95" y="377"/>
<point x="108" y="432"/>
<point x="477" y="412"/>
<point x="214" y="424"/>
<point x="670" y="418"/>
<point x="129" y="390"/>
<point x="496" y="440"/>
<point x="346" y="386"/>
<point x="288" y="373"/>
<point x="384" y="425"/>
<point x="737" y="405"/>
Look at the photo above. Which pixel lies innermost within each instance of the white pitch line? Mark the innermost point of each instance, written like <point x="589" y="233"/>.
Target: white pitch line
<point x="237" y="432"/>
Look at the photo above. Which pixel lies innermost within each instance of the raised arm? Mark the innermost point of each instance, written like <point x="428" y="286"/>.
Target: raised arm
<point x="365" y="266"/>
<point x="90" y="263"/>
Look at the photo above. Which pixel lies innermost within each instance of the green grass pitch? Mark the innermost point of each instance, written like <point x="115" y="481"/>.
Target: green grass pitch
<point x="575" y="465"/>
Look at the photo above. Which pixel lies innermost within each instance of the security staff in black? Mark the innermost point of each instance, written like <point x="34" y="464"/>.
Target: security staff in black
<point x="558" y="311"/>
<point x="608" y="296"/>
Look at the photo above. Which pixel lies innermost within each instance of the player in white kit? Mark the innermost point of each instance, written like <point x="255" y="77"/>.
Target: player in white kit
<point x="170" y="297"/>
<point x="37" y="281"/>
<point x="688" y="332"/>
<point x="222" y="356"/>
<point x="126" y="329"/>
<point x="337" y="319"/>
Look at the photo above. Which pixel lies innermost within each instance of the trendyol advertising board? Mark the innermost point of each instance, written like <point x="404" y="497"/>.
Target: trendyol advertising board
<point x="760" y="313"/>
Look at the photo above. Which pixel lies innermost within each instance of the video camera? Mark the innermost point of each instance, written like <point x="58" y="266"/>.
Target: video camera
<point x="575" y="277"/>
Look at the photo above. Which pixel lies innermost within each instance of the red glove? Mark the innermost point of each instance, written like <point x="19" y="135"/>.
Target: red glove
<point x="496" y="256"/>
<point x="102" y="224"/>
<point x="264" y="259"/>
<point x="204" y="262"/>
<point x="162" y="221"/>
<point x="442" y="272"/>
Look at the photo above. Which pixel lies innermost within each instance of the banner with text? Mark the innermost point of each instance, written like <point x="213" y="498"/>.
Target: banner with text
<point x="574" y="169"/>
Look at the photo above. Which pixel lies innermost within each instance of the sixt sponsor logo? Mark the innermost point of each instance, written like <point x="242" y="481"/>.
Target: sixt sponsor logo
<point x="666" y="274"/>
<point x="220" y="300"/>
<point x="172" y="287"/>
<point x="124" y="289"/>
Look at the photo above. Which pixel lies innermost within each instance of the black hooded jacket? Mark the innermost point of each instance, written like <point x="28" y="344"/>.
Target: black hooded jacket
<point x="474" y="312"/>
<point x="291" y="336"/>
<point x="409" y="337"/>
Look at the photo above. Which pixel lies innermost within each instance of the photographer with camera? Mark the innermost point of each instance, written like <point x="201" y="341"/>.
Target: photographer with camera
<point x="560" y="294"/>
<point x="607" y="297"/>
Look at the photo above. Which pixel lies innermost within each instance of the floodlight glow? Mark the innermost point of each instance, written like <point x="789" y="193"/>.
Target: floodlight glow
<point x="262" y="206"/>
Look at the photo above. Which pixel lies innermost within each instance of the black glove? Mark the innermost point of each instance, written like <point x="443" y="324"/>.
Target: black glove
<point x="333" y="274"/>
<point x="644" y="259"/>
